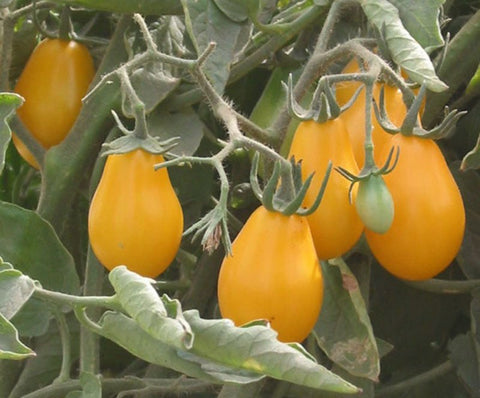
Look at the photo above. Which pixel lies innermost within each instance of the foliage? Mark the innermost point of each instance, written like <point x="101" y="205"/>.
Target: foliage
<point x="214" y="89"/>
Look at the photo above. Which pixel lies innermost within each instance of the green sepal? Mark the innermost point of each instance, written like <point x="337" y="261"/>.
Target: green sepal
<point x="410" y="125"/>
<point x="137" y="139"/>
<point x="323" y="105"/>
<point x="286" y="198"/>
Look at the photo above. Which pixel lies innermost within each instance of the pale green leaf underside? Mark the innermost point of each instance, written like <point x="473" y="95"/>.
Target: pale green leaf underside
<point x="405" y="51"/>
<point x="10" y="346"/>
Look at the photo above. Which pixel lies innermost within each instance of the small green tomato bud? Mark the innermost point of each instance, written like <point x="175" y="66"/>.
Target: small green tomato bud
<point x="374" y="204"/>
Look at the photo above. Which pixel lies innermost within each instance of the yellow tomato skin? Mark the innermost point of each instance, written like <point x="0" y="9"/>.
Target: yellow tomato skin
<point x="135" y="218"/>
<point x="335" y="225"/>
<point x="429" y="219"/>
<point x="53" y="82"/>
<point x="273" y="274"/>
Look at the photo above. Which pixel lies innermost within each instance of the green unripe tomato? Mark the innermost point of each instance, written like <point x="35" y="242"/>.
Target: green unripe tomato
<point x="374" y="204"/>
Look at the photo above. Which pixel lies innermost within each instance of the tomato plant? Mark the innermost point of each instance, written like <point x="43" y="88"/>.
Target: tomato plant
<point x="335" y="225"/>
<point x="429" y="220"/>
<point x="53" y="83"/>
<point x="135" y="218"/>
<point x="213" y="86"/>
<point x="277" y="279"/>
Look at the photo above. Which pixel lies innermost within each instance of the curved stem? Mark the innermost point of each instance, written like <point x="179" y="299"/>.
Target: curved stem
<point x="327" y="29"/>
<point x="71" y="300"/>
<point x="440" y="370"/>
<point x="66" y="347"/>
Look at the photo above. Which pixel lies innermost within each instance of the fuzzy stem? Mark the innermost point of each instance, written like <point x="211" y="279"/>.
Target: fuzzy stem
<point x="368" y="145"/>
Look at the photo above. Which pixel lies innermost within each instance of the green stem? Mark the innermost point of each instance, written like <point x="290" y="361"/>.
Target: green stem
<point x="328" y="26"/>
<point x="65" y="27"/>
<point x="368" y="145"/>
<point x="250" y="62"/>
<point x="89" y="342"/>
<point x="439" y="286"/>
<point x="455" y="74"/>
<point x="113" y="386"/>
<point x="7" y="28"/>
<point x="66" y="347"/>
<point x="70" y="300"/>
<point x="401" y="387"/>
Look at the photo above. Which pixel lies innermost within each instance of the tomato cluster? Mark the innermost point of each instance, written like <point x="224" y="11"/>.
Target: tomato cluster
<point x="413" y="218"/>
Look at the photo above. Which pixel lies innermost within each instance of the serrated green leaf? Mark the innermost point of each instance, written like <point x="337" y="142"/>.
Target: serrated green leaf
<point x="10" y="346"/>
<point x="343" y="329"/>
<point x="15" y="290"/>
<point x="405" y="51"/>
<point x="206" y="24"/>
<point x="91" y="387"/>
<point x="421" y="19"/>
<point x="162" y="318"/>
<point x="8" y="103"/>
<point x="257" y="349"/>
<point x="125" y="332"/>
<point x="31" y="245"/>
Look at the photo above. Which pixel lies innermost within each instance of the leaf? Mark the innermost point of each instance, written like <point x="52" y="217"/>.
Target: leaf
<point x="4" y="265"/>
<point x="421" y="19"/>
<point x="91" y="387"/>
<point x="152" y="83"/>
<point x="10" y="346"/>
<point x="125" y="332"/>
<point x="8" y="103"/>
<point x="44" y="368"/>
<point x="405" y="51"/>
<point x="256" y="348"/>
<point x="206" y="24"/>
<point x="33" y="318"/>
<point x="15" y="290"/>
<point x="236" y="10"/>
<point x="469" y="255"/>
<point x="160" y="317"/>
<point x="31" y="245"/>
<point x="184" y="124"/>
<point x="343" y="329"/>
